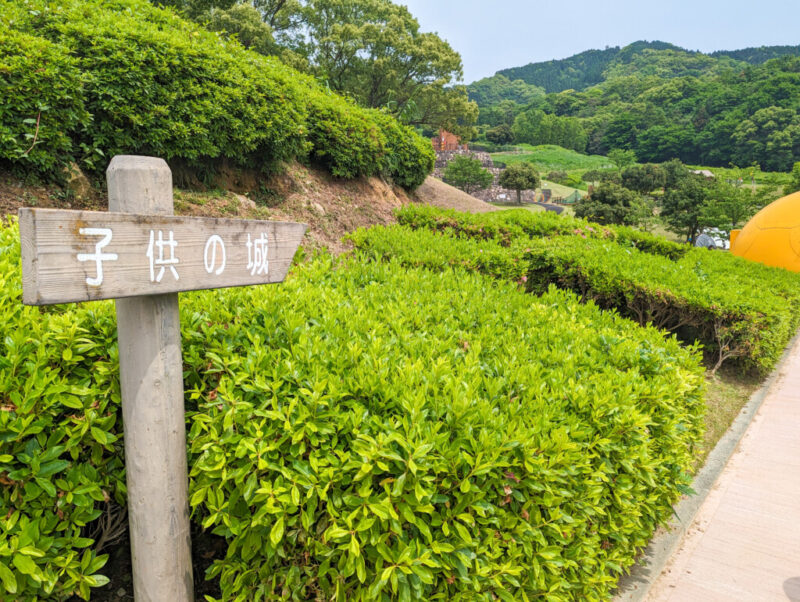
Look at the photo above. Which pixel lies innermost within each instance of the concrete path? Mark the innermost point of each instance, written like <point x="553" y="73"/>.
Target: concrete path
<point x="744" y="543"/>
<point x="549" y="207"/>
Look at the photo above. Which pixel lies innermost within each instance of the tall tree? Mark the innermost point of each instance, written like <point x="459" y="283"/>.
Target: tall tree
<point x="370" y="50"/>
<point x="729" y="207"/>
<point x="501" y="134"/>
<point x="622" y="158"/>
<point x="643" y="178"/>
<point x="374" y="51"/>
<point x="683" y="205"/>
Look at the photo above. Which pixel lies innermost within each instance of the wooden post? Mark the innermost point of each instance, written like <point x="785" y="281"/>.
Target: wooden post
<point x="151" y="380"/>
<point x="143" y="256"/>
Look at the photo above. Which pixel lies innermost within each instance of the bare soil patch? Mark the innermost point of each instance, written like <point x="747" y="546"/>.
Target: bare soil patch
<point x="437" y="193"/>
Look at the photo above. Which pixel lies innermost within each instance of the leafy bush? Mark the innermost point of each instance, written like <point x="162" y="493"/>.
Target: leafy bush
<point x="558" y="176"/>
<point x="467" y="173"/>
<point x="346" y="142"/>
<point x="60" y="438"/>
<point x="738" y="309"/>
<point x="409" y="157"/>
<point x="421" y="248"/>
<point x="39" y="84"/>
<point x="650" y="243"/>
<point x="732" y="317"/>
<point x="502" y="226"/>
<point x="381" y="433"/>
<point x="354" y="437"/>
<point x="507" y="225"/>
<point x="155" y="84"/>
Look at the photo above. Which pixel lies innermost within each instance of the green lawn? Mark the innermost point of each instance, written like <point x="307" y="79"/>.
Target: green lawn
<point x="548" y="157"/>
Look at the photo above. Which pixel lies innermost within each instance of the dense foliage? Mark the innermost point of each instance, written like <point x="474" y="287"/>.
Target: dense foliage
<point x="519" y="176"/>
<point x="467" y="173"/>
<point x="124" y="77"/>
<point x="61" y="464"/>
<point x="739" y="310"/>
<point x="609" y="204"/>
<point x="592" y="67"/>
<point x="363" y="433"/>
<point x="663" y="102"/>
<point x="370" y="50"/>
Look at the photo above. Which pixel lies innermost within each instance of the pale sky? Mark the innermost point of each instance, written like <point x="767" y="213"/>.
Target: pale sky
<point x="496" y="34"/>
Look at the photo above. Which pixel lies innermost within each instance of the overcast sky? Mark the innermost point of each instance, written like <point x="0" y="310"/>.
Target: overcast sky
<point x="496" y="34"/>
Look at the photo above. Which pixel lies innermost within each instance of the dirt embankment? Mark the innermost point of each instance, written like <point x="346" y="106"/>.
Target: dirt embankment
<point x="331" y="207"/>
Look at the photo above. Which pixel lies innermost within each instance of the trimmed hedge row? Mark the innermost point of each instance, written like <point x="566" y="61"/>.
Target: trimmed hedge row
<point x="505" y="226"/>
<point x="362" y="433"/>
<point x="753" y="327"/>
<point x="737" y="309"/>
<point x="107" y="77"/>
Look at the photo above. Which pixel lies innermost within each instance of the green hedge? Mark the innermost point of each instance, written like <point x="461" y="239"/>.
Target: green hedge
<point x="362" y="433"/>
<point x="739" y="310"/>
<point x="421" y="248"/>
<point x="734" y="317"/>
<point x="519" y="223"/>
<point x="37" y="77"/>
<point x="60" y="438"/>
<point x="384" y="433"/>
<point x="125" y="77"/>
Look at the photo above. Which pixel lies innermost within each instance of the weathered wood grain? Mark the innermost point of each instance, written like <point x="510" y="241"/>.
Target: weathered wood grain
<point x="60" y="251"/>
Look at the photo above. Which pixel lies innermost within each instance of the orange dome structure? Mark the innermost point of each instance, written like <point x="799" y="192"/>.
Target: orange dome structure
<point x="772" y="237"/>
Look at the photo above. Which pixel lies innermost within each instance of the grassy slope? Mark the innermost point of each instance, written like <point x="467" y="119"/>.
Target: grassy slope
<point x="549" y="157"/>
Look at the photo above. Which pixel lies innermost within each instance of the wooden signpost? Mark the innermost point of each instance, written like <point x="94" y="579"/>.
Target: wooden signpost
<point x="141" y="255"/>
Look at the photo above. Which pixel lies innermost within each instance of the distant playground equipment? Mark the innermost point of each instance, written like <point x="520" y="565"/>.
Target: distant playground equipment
<point x="546" y="196"/>
<point x="772" y="236"/>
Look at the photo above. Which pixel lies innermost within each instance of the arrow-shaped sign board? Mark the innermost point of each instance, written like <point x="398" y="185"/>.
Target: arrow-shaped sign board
<point x="88" y="255"/>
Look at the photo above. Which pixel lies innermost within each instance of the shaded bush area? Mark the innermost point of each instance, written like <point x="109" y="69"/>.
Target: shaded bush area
<point x="739" y="310"/>
<point x="87" y="80"/>
<point x="369" y="432"/>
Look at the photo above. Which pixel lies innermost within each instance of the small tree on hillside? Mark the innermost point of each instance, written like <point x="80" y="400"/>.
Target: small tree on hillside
<point x="729" y="207"/>
<point x="519" y="177"/>
<point x="468" y="174"/>
<point x="643" y="178"/>
<point x="610" y="204"/>
<point x="622" y="158"/>
<point x="674" y="173"/>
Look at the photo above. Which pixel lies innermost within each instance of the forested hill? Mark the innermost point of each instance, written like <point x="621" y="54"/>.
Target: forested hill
<point x="592" y="67"/>
<point x="757" y="56"/>
<point x="580" y="71"/>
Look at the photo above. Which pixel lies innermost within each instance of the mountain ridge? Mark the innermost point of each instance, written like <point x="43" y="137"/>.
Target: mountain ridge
<point x="590" y="67"/>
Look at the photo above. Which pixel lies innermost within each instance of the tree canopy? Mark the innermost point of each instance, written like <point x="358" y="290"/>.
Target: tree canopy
<point x="609" y="204"/>
<point x="519" y="176"/>
<point x="370" y="50"/>
<point x="467" y="173"/>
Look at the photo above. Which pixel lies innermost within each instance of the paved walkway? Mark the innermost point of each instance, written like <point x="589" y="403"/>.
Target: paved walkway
<point x="744" y="543"/>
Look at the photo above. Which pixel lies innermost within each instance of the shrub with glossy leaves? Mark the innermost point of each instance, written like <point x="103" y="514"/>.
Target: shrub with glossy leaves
<point x="380" y="433"/>
<point x="739" y="310"/>
<point x="60" y="439"/>
<point x="152" y="83"/>
<point x="367" y="432"/>
<point x="42" y="106"/>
